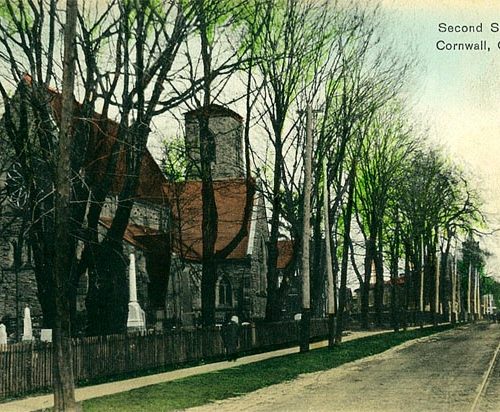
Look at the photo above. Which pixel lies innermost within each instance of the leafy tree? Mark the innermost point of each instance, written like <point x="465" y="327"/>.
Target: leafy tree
<point x="174" y="160"/>
<point x="383" y="155"/>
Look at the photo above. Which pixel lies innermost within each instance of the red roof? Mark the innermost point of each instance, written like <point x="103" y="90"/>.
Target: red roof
<point x="99" y="149"/>
<point x="142" y="237"/>
<point x="285" y="253"/>
<point x="400" y="280"/>
<point x="186" y="203"/>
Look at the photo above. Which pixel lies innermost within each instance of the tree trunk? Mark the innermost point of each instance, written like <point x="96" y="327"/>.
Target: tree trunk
<point x="317" y="268"/>
<point x="209" y="223"/>
<point x="107" y="298"/>
<point x="408" y="282"/>
<point x="208" y="284"/>
<point x="379" y="281"/>
<point x="421" y="284"/>
<point x="395" y="305"/>
<point x="468" y="291"/>
<point x="436" y="288"/>
<point x="453" y="303"/>
<point x="63" y="381"/>
<point x="273" y="309"/>
<point x="331" y="284"/>
<point x="365" y="289"/>
<point x="446" y="282"/>
<point x="345" y="256"/>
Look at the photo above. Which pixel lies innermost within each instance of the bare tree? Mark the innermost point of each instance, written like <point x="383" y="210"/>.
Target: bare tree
<point x="143" y="38"/>
<point x="64" y="386"/>
<point x="245" y="19"/>
<point x="434" y="199"/>
<point x="294" y="44"/>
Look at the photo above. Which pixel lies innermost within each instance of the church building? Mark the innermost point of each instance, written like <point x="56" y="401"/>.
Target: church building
<point x="165" y="234"/>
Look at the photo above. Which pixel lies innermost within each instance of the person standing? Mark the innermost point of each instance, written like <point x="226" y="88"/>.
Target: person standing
<point x="230" y="337"/>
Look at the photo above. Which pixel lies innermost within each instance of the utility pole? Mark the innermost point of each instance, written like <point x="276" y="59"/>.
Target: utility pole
<point x="421" y="297"/>
<point x="469" y="285"/>
<point x="453" y="313"/>
<point x="306" y="296"/>
<point x="436" y="280"/>
<point x="329" y="270"/>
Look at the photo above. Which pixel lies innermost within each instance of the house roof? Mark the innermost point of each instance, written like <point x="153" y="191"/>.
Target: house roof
<point x="186" y="202"/>
<point x="399" y="281"/>
<point x="99" y="157"/>
<point x="142" y="237"/>
<point x="100" y="148"/>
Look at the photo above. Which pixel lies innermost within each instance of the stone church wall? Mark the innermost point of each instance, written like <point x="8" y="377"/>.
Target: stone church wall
<point x="22" y="292"/>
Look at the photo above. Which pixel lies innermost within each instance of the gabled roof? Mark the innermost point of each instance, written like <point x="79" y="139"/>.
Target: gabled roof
<point x="399" y="281"/>
<point x="186" y="232"/>
<point x="186" y="202"/>
<point x="100" y="147"/>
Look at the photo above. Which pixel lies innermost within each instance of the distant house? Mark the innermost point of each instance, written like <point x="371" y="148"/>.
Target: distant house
<point x="399" y="282"/>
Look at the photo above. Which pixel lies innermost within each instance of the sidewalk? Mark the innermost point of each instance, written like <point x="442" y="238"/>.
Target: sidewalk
<point x="36" y="403"/>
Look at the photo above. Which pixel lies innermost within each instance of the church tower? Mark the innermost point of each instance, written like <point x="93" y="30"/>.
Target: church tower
<point x="226" y="127"/>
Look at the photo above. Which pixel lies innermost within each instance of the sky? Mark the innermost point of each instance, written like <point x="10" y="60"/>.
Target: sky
<point x="456" y="93"/>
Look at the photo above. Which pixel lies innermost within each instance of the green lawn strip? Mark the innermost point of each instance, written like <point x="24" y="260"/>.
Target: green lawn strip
<point x="202" y="389"/>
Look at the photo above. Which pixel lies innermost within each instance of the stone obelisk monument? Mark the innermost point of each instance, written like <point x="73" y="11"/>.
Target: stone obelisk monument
<point x="136" y="321"/>
<point x="27" y="328"/>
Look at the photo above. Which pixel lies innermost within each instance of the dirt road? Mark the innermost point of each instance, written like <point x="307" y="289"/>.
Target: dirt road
<point x="451" y="371"/>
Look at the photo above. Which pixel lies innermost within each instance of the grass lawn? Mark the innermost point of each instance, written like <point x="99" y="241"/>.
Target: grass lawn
<point x="202" y="389"/>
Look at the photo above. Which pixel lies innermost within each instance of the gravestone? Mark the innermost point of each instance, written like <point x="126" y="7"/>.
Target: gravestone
<point x="3" y="335"/>
<point x="46" y="335"/>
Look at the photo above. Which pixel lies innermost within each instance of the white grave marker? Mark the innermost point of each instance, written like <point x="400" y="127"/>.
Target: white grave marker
<point x="27" y="328"/>
<point x="136" y="320"/>
<point x="3" y="335"/>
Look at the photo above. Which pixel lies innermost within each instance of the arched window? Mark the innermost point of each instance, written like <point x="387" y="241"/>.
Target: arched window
<point x="225" y="292"/>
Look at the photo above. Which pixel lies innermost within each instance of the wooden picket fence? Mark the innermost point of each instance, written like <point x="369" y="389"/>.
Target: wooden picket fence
<point x="27" y="367"/>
